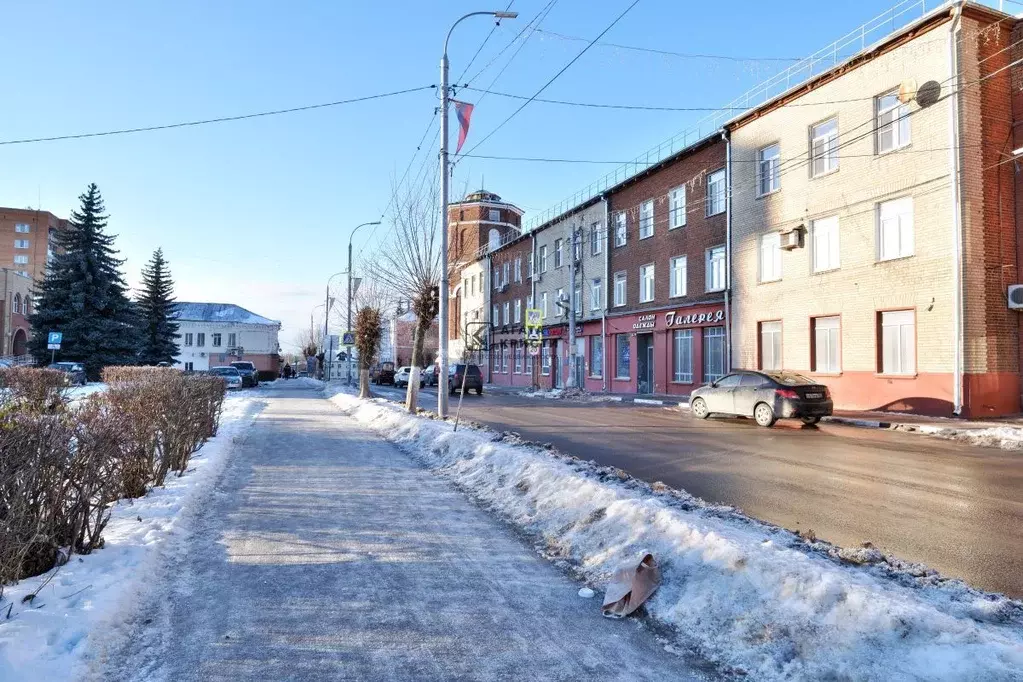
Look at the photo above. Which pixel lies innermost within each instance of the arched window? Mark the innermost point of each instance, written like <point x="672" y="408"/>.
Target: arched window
<point x="494" y="239"/>
<point x="25" y="310"/>
<point x="17" y="303"/>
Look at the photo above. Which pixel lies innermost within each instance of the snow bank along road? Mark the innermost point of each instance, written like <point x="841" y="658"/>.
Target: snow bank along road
<point x="955" y="507"/>
<point x="758" y="600"/>
<point x="326" y="554"/>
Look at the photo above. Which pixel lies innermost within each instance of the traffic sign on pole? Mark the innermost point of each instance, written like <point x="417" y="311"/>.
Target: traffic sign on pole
<point x="348" y="339"/>
<point x="53" y="340"/>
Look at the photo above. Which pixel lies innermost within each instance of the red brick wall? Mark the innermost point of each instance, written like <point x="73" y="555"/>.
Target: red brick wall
<point x="521" y="249"/>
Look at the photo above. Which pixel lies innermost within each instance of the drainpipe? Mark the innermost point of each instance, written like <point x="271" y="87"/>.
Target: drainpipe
<point x="603" y="308"/>
<point x="957" y="226"/>
<point x="534" y="372"/>
<point x="728" y="250"/>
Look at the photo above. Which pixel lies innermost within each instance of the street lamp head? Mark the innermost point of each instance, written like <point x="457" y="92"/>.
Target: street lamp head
<point x="506" y="15"/>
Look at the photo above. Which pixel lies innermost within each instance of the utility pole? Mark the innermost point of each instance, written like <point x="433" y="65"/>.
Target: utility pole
<point x="442" y="396"/>
<point x="571" y="383"/>
<point x="348" y="318"/>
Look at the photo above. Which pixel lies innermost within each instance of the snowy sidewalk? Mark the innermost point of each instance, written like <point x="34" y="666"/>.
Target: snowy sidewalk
<point x="328" y="554"/>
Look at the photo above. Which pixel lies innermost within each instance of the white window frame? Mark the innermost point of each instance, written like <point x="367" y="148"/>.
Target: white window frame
<point x="506" y="309"/>
<point x="518" y="352"/>
<point x="646" y="219"/>
<point x="827" y="341"/>
<point x="518" y="311"/>
<point x="506" y="272"/>
<point x="545" y="359"/>
<point x="769" y="257"/>
<point x="677" y="207"/>
<point x="768" y="169"/>
<point x="678" y="274"/>
<point x="826" y="157"/>
<point x="21" y="243"/>
<point x="559" y="246"/>
<point x="543" y="259"/>
<point x="898" y="122"/>
<point x="621" y="289"/>
<point x="200" y="339"/>
<point x="770" y="345"/>
<point x="495" y="311"/>
<point x="901" y="212"/>
<point x="187" y="341"/>
<point x="22" y="228"/>
<point x="595" y="294"/>
<point x="709" y="256"/>
<point x="621" y="229"/>
<point x="824" y="244"/>
<point x="716" y="192"/>
<point x="543" y="304"/>
<point x="898" y="327"/>
<point x="21" y="260"/>
<point x="577" y="303"/>
<point x="216" y="340"/>
<point x="494" y="215"/>
<point x="680" y="338"/>
<point x="518" y="269"/>
<point x="646" y="283"/>
<point x="232" y="339"/>
<point x="561" y="299"/>
<point x="596" y="242"/>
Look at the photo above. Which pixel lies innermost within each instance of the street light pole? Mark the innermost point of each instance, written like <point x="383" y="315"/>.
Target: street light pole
<point x="442" y="395"/>
<point x="348" y="320"/>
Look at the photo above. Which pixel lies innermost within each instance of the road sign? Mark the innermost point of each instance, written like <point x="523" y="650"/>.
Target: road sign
<point x="534" y="317"/>
<point x="348" y="339"/>
<point x="53" y="340"/>
<point x="534" y="350"/>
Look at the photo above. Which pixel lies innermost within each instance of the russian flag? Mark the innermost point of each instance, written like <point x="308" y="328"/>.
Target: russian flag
<point x="463" y="110"/>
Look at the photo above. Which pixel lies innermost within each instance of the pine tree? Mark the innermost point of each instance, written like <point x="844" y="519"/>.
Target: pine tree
<point x="84" y="295"/>
<point x="155" y="305"/>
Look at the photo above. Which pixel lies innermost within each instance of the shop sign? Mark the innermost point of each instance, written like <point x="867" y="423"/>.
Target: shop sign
<point x="553" y="331"/>
<point x="673" y="319"/>
<point x="645" y="322"/>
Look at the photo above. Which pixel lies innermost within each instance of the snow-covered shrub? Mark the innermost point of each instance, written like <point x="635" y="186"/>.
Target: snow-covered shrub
<point x="38" y="390"/>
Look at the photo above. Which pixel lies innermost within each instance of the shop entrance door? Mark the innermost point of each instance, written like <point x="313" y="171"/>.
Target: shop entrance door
<point x="644" y="363"/>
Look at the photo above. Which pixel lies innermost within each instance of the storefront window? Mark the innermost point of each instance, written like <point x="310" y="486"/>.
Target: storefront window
<point x="622" y="355"/>
<point x="682" y="347"/>
<point x="596" y="356"/>
<point x="518" y="358"/>
<point x="713" y="353"/>
<point x="545" y="360"/>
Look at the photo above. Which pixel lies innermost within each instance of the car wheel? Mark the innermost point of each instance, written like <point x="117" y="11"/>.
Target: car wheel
<point x="479" y="391"/>
<point x="811" y="420"/>
<point x="699" y="408"/>
<point x="764" y="414"/>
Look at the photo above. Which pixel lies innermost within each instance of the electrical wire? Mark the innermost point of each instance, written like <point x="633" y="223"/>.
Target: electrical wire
<point x="484" y="43"/>
<point x="669" y="53"/>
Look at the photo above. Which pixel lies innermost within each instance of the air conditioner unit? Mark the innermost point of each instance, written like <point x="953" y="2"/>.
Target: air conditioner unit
<point x="1015" y="297"/>
<point x="202" y="355"/>
<point x="792" y="239"/>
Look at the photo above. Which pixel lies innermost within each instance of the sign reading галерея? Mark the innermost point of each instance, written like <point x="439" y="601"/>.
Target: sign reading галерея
<point x="674" y="319"/>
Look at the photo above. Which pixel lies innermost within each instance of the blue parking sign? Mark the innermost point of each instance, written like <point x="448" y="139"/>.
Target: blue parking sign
<point x="53" y="340"/>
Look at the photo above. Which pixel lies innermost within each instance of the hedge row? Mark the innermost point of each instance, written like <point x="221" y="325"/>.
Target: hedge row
<point x="62" y="465"/>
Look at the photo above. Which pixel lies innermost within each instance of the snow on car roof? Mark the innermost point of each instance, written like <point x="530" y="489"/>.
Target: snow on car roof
<point x="219" y="312"/>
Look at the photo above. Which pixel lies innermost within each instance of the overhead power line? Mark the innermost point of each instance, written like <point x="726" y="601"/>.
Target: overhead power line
<point x="222" y="119"/>
<point x="484" y="43"/>
<point x="669" y="53"/>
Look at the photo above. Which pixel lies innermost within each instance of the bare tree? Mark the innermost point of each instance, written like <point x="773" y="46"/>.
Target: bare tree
<point x="411" y="268"/>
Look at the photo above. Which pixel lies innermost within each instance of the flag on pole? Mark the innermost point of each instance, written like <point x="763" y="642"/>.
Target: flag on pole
<point x="463" y="110"/>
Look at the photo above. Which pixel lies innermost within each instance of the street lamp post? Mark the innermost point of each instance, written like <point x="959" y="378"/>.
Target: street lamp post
<point x="442" y="395"/>
<point x="348" y="321"/>
<point x="329" y="304"/>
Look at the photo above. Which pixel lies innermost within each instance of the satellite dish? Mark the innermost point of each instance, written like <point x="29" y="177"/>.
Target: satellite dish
<point x="907" y="90"/>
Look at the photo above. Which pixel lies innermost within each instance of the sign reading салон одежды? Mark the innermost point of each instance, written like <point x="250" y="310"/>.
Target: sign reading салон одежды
<point x="674" y="319"/>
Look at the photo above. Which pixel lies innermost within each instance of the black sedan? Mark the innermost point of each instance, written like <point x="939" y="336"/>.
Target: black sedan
<point x="764" y="395"/>
<point x="75" y="372"/>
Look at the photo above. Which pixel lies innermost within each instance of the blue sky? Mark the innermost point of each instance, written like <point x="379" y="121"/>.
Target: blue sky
<point x="258" y="212"/>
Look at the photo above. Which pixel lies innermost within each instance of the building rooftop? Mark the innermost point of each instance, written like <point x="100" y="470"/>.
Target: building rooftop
<point x="219" y="312"/>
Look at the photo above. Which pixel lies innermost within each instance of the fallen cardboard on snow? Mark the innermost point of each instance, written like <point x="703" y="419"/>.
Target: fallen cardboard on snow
<point x="631" y="585"/>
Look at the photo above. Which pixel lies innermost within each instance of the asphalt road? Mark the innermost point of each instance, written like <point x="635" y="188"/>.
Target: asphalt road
<point x="953" y="507"/>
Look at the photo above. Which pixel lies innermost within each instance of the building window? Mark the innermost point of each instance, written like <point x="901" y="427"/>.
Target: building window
<point x="646" y="219"/>
<point x="507" y="312"/>
<point x="216" y="340"/>
<point x="21" y="243"/>
<point x="545" y="359"/>
<point x="622" y="351"/>
<point x="518" y="310"/>
<point x="677" y="207"/>
<point x="577" y="302"/>
<point x="768" y="177"/>
<point x="561" y="301"/>
<point x="713" y="353"/>
<point x="824" y="147"/>
<point x="898" y="342"/>
<point x="495" y="215"/>
<point x="518" y="269"/>
<point x="620" y="228"/>
<point x="529" y="362"/>
<point x="595" y="294"/>
<point x="17" y="304"/>
<point x="26" y="306"/>
<point x="543" y="259"/>
<point x="23" y="273"/>
<point x="232" y="340"/>
<point x="200" y="339"/>
<point x="543" y="305"/>
<point x="596" y="243"/>
<point x="892" y="123"/>
<point x="824" y="240"/>
<point x="716" y="268"/>
<point x="597" y="356"/>
<point x="682" y="356"/>
<point x="620" y="282"/>
<point x="826" y="356"/>
<point x="646" y="283"/>
<point x="189" y="366"/>
<point x="770" y="345"/>
<point x="22" y="228"/>
<point x="678" y="277"/>
<point x="504" y="359"/>
<point x="497" y="278"/>
<point x="895" y="228"/>
<point x="188" y="339"/>
<point x="529" y="302"/>
<point x="495" y="314"/>
<point x="716" y="192"/>
<point x="770" y="257"/>
<point x="557" y="252"/>
<point x="506" y="269"/>
<point x="517" y="349"/>
<point x="21" y="260"/>
<point x="577" y="245"/>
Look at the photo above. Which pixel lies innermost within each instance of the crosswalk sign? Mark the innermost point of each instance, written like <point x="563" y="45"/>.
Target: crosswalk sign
<point x="348" y="339"/>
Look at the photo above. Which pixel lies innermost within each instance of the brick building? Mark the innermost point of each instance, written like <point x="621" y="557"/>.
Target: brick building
<point x="510" y="295"/>
<point x="867" y="253"/>
<point x="26" y="240"/>
<point x="15" y="306"/>
<point x="666" y="275"/>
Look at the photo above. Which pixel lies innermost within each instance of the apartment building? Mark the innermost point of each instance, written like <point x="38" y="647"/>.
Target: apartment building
<point x="26" y="240"/>
<point x="874" y="222"/>
<point x="667" y="317"/>
<point x="510" y="295"/>
<point x="556" y="295"/>
<point x="214" y="334"/>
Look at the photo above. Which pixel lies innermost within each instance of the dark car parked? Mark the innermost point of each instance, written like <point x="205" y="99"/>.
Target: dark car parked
<point x="250" y="375"/>
<point x="470" y="373"/>
<point x="430" y="375"/>
<point x="75" y="372"/>
<point x="385" y="375"/>
<point x="764" y="395"/>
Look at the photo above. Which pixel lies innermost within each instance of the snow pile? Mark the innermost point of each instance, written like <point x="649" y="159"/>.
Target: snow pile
<point x="574" y="394"/>
<point x="753" y="598"/>
<point x="86" y="601"/>
<point x="1004" y="437"/>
